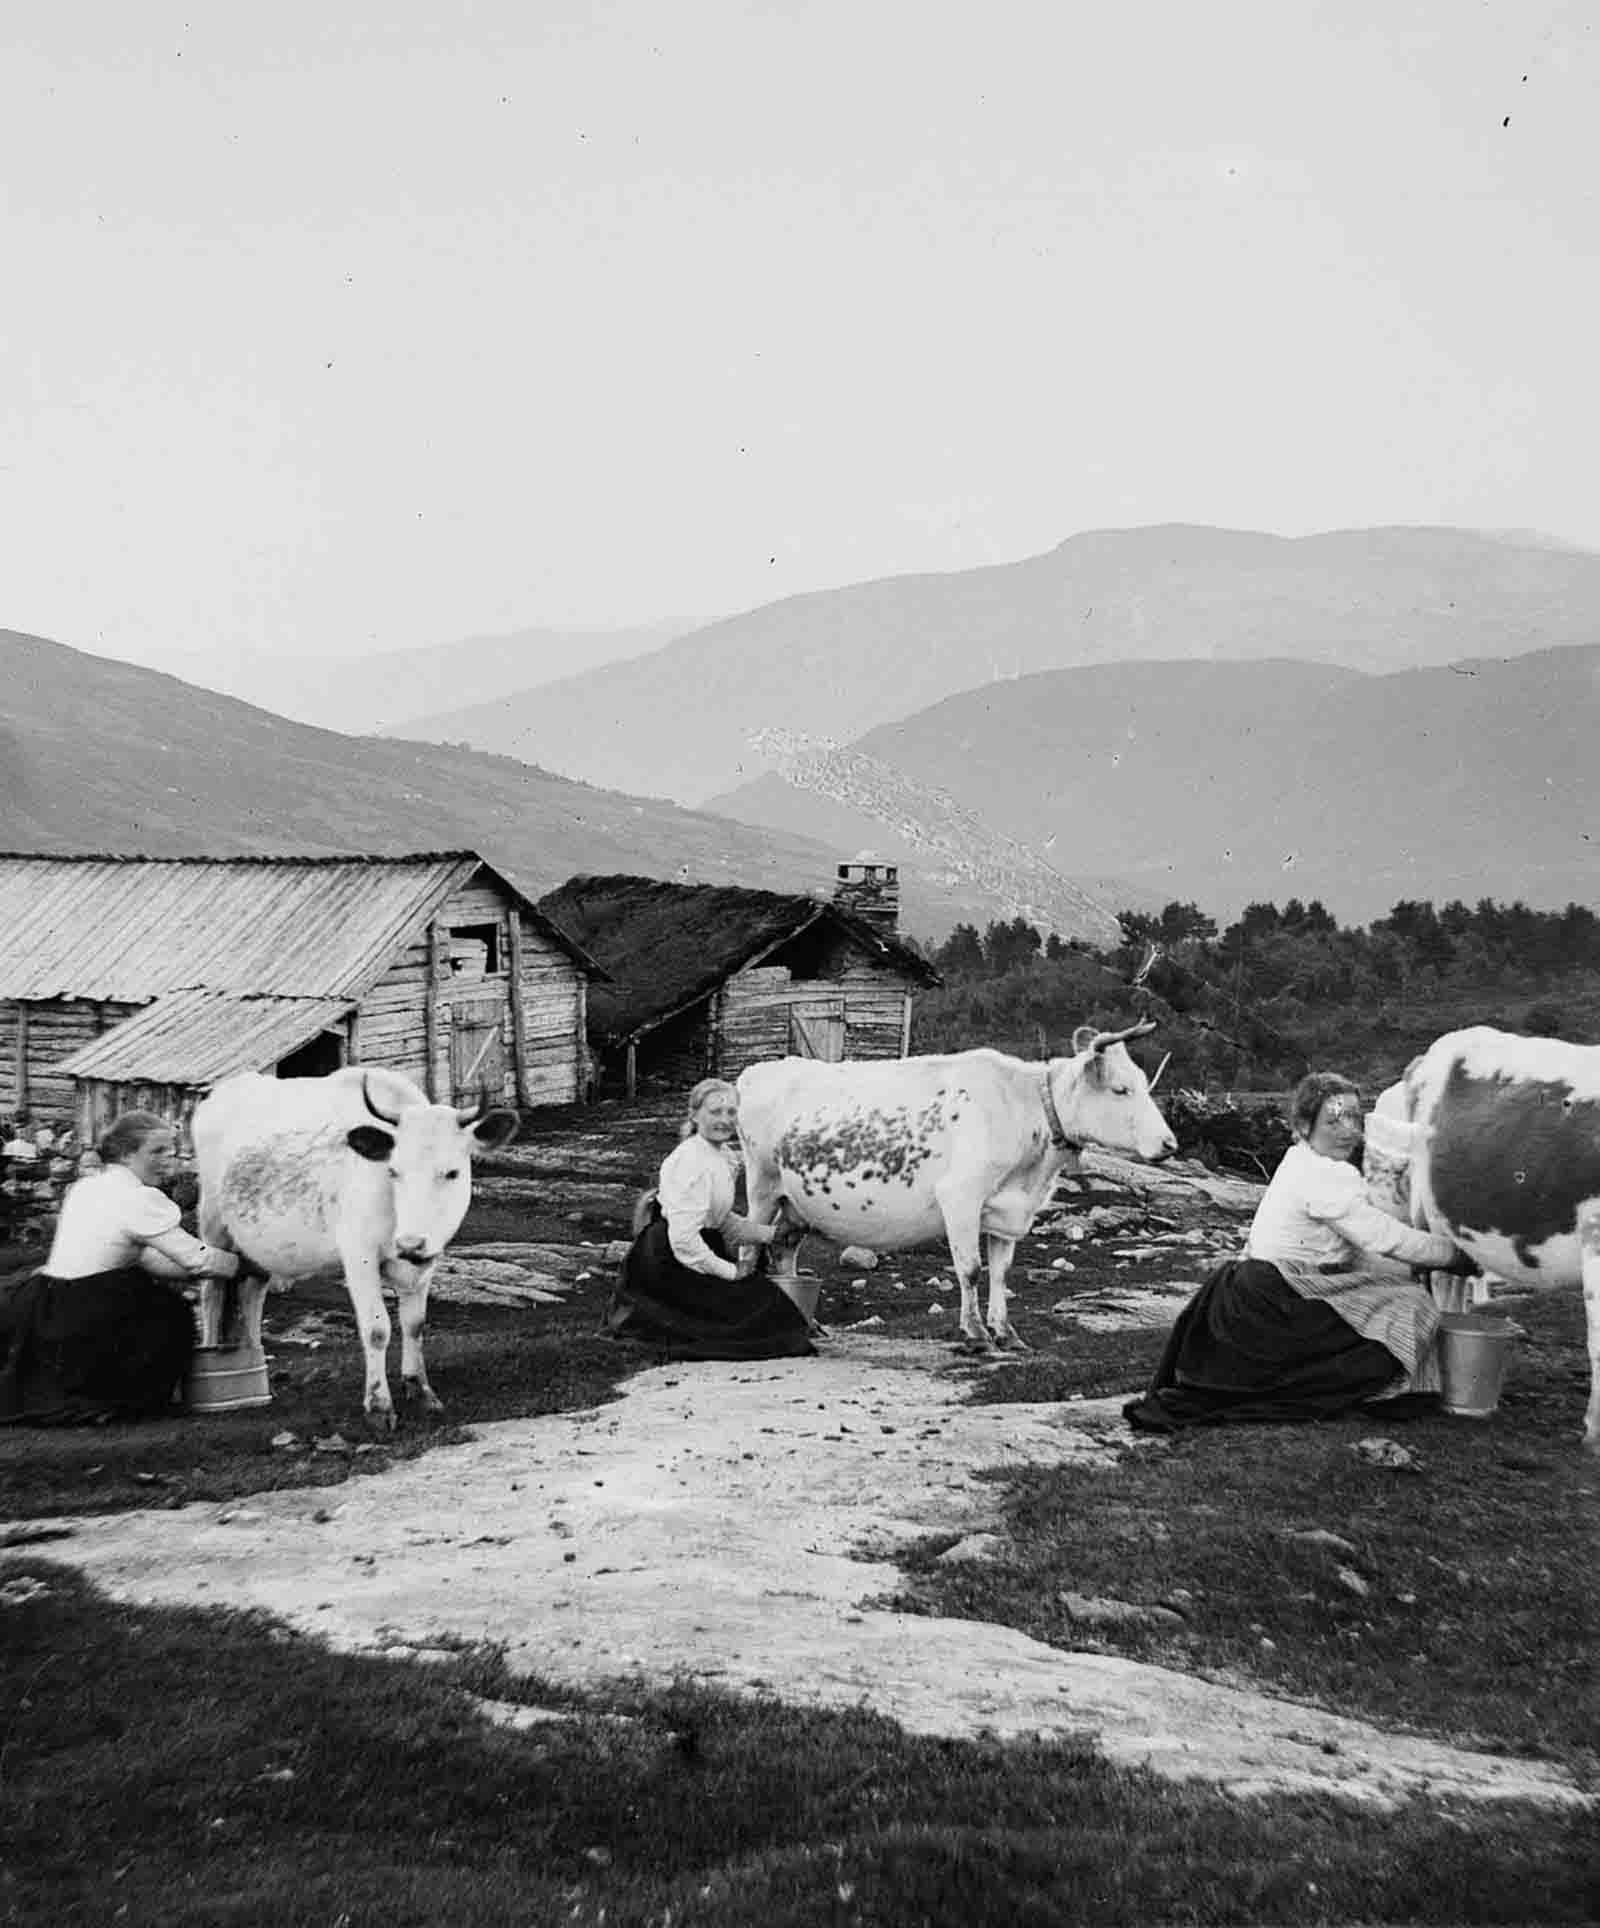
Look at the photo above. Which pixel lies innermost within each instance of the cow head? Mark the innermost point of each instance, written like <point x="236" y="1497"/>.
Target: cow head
<point x="427" y="1151"/>
<point x="1103" y="1098"/>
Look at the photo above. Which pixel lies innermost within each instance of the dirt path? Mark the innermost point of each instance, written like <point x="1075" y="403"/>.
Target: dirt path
<point x="713" y="1523"/>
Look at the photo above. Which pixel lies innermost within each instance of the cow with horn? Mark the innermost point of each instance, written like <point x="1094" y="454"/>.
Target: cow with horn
<point x="356" y="1171"/>
<point x="892" y="1153"/>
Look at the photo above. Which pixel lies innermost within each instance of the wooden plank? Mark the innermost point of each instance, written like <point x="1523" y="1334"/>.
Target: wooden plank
<point x="519" y="1022"/>
<point x="905" y="1027"/>
<point x="430" y="1015"/>
<point x="22" y="1056"/>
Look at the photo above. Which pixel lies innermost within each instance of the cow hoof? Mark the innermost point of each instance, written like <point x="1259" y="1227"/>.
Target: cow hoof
<point x="417" y="1394"/>
<point x="381" y="1419"/>
<point x="1011" y="1341"/>
<point x="979" y="1343"/>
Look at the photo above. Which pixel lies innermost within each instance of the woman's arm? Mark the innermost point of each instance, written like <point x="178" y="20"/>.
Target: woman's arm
<point x="177" y="1255"/>
<point x="1376" y="1232"/>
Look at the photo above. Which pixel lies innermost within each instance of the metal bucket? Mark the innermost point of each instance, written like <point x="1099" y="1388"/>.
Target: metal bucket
<point x="223" y="1379"/>
<point x="805" y="1288"/>
<point x="1474" y="1352"/>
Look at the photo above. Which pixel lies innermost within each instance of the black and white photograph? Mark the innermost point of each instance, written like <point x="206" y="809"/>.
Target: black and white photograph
<point x="799" y="964"/>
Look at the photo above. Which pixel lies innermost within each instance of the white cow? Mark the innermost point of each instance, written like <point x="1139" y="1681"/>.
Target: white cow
<point x="1507" y="1162"/>
<point x="304" y="1174"/>
<point x="889" y="1153"/>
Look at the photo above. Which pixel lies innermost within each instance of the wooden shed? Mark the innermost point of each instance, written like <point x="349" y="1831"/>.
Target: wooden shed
<point x="706" y="978"/>
<point x="142" y="981"/>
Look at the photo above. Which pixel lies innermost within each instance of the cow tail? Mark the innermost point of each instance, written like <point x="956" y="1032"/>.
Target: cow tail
<point x="645" y="1207"/>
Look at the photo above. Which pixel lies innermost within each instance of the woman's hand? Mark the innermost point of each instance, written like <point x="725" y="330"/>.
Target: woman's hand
<point x="1462" y="1266"/>
<point x="745" y="1264"/>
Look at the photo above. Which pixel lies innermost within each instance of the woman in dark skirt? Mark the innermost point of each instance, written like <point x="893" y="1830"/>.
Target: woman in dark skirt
<point x="102" y="1332"/>
<point x="1319" y="1316"/>
<point x="682" y="1289"/>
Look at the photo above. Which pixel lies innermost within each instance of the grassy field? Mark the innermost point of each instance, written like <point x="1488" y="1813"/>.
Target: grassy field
<point x="182" y="1767"/>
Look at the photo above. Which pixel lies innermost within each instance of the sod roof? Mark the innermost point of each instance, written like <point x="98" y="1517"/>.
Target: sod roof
<point x="667" y="946"/>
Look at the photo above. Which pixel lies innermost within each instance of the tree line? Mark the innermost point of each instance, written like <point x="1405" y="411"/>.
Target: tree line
<point x="1250" y="1005"/>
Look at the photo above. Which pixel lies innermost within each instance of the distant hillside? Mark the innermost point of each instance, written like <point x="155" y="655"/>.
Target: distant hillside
<point x="358" y="694"/>
<point x="105" y="756"/>
<point x="679" y="721"/>
<point x="1224" y="783"/>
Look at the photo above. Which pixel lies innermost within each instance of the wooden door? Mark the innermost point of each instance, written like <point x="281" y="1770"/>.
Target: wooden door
<point x="817" y="1030"/>
<point x="477" y="1049"/>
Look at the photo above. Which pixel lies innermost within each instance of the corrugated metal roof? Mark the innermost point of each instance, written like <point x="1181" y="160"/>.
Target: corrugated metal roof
<point x="131" y="928"/>
<point x="197" y="1037"/>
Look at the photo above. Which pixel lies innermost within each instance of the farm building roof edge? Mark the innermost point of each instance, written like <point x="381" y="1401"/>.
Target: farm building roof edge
<point x="770" y="919"/>
<point x="78" y="950"/>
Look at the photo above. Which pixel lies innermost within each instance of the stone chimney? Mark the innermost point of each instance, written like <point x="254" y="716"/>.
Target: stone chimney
<point x="871" y="891"/>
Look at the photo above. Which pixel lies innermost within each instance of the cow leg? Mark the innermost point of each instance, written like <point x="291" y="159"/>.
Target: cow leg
<point x="962" y="1208"/>
<point x="1001" y="1251"/>
<point x="411" y="1289"/>
<point x="1589" y="1255"/>
<point x="766" y="1204"/>
<point x="372" y="1322"/>
<point x="213" y="1292"/>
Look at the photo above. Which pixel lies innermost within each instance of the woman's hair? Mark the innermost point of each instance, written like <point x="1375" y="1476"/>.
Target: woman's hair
<point x="697" y="1098"/>
<point x="128" y="1134"/>
<point x="1311" y="1094"/>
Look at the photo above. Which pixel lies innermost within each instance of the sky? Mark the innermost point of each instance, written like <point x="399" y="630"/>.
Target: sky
<point x="356" y="327"/>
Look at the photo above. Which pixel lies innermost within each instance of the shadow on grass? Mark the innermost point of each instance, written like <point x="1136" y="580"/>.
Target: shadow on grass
<point x="186" y="1767"/>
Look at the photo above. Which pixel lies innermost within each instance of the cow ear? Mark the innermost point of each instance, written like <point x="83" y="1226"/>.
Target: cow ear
<point x="496" y="1128"/>
<point x="370" y="1143"/>
<point x="1082" y="1038"/>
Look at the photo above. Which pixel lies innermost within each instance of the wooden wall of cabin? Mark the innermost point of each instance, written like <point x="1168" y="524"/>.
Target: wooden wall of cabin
<point x="99" y="1103"/>
<point x="34" y="1038"/>
<point x="467" y="970"/>
<point x="753" y="1008"/>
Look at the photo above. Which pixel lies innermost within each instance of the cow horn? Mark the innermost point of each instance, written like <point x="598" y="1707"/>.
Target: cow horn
<point x="366" y="1093"/>
<point x="1159" y="1069"/>
<point x="1140" y="1030"/>
<point x="470" y="1115"/>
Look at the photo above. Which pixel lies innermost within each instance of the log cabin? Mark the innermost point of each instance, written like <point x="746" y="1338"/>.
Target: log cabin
<point x="141" y="981"/>
<point x="707" y="978"/>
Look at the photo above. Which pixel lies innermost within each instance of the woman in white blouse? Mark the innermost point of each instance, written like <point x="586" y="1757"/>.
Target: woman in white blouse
<point x="1320" y="1314"/>
<point x="686" y="1284"/>
<point x="100" y="1333"/>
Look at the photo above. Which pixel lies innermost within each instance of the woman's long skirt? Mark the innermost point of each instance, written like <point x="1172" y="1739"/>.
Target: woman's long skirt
<point x="114" y="1345"/>
<point x="1247" y="1346"/>
<point x="691" y="1315"/>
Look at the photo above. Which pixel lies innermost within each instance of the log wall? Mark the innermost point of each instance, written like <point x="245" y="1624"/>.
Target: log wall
<point x="752" y="1009"/>
<point x="393" y="1029"/>
<point x="47" y="1032"/>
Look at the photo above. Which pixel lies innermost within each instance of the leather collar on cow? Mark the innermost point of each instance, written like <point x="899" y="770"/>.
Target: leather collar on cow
<point x="1058" y="1131"/>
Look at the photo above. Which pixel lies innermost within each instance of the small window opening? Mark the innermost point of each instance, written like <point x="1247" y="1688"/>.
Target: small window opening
<point x="475" y="951"/>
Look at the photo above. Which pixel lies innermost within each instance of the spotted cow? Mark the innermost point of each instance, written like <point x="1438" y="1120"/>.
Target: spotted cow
<point x="891" y="1153"/>
<point x="356" y="1170"/>
<point x="1507" y="1162"/>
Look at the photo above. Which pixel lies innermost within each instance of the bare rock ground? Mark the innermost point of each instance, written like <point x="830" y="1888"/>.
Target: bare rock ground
<point x="733" y="1523"/>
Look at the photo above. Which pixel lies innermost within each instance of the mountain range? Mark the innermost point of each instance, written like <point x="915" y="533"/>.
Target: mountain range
<point x="1357" y="717"/>
<point x="358" y="694"/>
<point x="97" y="755"/>
<point x="1226" y="783"/>
<point x="681" y="721"/>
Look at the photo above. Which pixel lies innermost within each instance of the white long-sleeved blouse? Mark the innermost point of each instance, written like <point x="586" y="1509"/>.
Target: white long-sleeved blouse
<point x="1315" y="1212"/>
<point x="109" y="1218"/>
<point x="696" y="1196"/>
